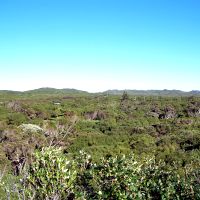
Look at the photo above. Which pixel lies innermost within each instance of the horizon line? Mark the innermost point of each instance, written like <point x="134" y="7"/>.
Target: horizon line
<point x="116" y="89"/>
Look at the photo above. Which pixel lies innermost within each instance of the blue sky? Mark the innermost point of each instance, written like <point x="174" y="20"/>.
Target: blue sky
<point x="96" y="45"/>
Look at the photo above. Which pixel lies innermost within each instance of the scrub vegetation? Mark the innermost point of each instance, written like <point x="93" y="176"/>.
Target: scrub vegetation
<point x="70" y="144"/>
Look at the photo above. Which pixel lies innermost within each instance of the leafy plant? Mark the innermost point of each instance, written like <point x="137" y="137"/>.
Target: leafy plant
<point x="51" y="176"/>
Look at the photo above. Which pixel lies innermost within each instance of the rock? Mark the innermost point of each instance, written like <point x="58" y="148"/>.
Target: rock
<point x="96" y="115"/>
<point x="153" y="114"/>
<point x="168" y="113"/>
<point x="31" y="128"/>
<point x="184" y="121"/>
<point x="15" y="106"/>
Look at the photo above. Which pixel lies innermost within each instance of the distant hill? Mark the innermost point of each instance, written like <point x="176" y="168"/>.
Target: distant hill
<point x="43" y="91"/>
<point x="154" y="92"/>
<point x="9" y="92"/>
<point x="195" y="92"/>
<point x="54" y="91"/>
<point x="48" y="90"/>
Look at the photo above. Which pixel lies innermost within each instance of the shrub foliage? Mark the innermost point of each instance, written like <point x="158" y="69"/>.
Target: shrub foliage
<point x="54" y="175"/>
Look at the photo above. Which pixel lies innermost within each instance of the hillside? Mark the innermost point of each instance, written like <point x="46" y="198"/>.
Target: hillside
<point x="53" y="91"/>
<point x="154" y="92"/>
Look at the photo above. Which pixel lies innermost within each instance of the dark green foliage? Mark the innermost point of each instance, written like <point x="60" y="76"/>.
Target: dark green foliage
<point x="54" y="175"/>
<point x="16" y="119"/>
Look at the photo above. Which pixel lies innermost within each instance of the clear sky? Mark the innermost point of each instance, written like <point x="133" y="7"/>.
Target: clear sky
<point x="96" y="45"/>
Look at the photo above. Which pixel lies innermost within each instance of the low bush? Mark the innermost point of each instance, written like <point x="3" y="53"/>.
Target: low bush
<point x="55" y="175"/>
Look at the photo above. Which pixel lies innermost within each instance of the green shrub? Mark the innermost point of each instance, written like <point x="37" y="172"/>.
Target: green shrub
<point x="16" y="119"/>
<point x="51" y="176"/>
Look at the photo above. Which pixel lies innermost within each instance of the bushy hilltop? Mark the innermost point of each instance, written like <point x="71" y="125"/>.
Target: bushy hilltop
<point x="166" y="128"/>
<point x="48" y="90"/>
<point x="155" y="92"/>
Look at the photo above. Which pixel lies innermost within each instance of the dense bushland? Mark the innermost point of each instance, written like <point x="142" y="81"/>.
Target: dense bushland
<point x="165" y="130"/>
<point x="55" y="175"/>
